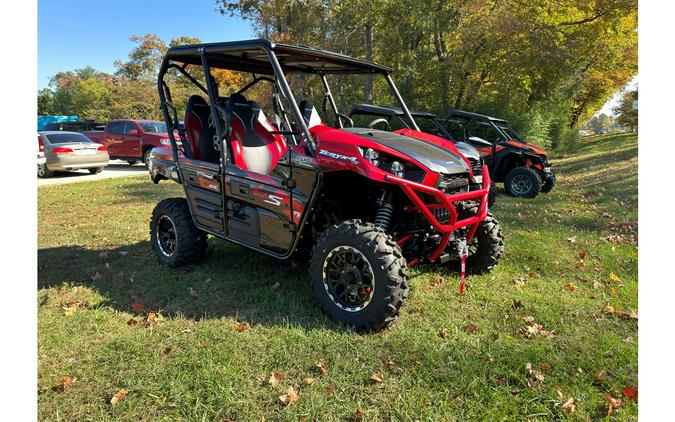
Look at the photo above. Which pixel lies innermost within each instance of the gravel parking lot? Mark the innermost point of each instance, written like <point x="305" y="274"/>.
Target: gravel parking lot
<point x="116" y="168"/>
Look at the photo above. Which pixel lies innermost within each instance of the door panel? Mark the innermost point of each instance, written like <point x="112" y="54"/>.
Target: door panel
<point x="258" y="209"/>
<point x="131" y="144"/>
<point x="205" y="196"/>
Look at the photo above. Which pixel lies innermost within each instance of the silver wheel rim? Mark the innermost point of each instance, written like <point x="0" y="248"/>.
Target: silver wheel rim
<point x="365" y="269"/>
<point x="521" y="184"/>
<point x="166" y="236"/>
<point x="41" y="170"/>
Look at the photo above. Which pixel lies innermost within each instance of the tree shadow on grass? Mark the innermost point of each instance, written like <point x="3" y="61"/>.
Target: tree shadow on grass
<point x="231" y="282"/>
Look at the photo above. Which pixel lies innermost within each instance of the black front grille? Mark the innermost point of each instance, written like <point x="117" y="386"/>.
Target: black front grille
<point x="441" y="214"/>
<point x="452" y="182"/>
<point x="476" y="166"/>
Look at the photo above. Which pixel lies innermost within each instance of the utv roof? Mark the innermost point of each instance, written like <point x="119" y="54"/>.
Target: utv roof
<point x="475" y="116"/>
<point x="368" y="109"/>
<point x="252" y="56"/>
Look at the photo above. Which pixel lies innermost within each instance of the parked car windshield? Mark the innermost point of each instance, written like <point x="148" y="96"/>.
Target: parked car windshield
<point x="153" y="127"/>
<point x="64" y="138"/>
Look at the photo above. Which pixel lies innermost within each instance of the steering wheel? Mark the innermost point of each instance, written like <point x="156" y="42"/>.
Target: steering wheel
<point x="375" y="122"/>
<point x="338" y="120"/>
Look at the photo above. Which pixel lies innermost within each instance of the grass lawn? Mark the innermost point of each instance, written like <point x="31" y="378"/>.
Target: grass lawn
<point x="569" y="255"/>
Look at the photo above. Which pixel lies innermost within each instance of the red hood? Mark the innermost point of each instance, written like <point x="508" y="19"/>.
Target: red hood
<point x="533" y="148"/>
<point x="441" y="142"/>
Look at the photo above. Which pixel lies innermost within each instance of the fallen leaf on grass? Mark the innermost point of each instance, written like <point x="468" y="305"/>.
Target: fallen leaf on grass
<point x="630" y="393"/>
<point x="444" y="332"/>
<point x="569" y="406"/>
<point x="612" y="292"/>
<point x="97" y="276"/>
<point x="132" y="321"/>
<point x="291" y="397"/>
<point x="61" y="385"/>
<point x="437" y="280"/>
<point x="193" y="292"/>
<point x="241" y="326"/>
<point x="276" y="286"/>
<point x="119" y="396"/>
<point x="357" y="415"/>
<point x="596" y="284"/>
<point x="600" y="377"/>
<point x="389" y="362"/>
<point x="275" y="377"/>
<point x="166" y="352"/>
<point x="535" y="377"/>
<point x="519" y="282"/>
<point x="613" y="277"/>
<point x="137" y="307"/>
<point x="570" y="287"/>
<point x="154" y="318"/>
<point x="545" y="367"/>
<point x="582" y="254"/>
<point x="322" y="367"/>
<point x="572" y="239"/>
<point x="71" y="308"/>
<point x="623" y="314"/>
<point x="613" y="404"/>
<point x="470" y="328"/>
<point x="516" y="304"/>
<point x="309" y="380"/>
<point x="377" y="378"/>
<point x="529" y="320"/>
<point x="330" y="390"/>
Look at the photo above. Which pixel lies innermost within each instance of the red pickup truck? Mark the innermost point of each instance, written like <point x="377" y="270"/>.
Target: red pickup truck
<point x="130" y="140"/>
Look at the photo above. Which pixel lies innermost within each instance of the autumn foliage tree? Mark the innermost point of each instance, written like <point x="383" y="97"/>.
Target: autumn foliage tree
<point x="547" y="65"/>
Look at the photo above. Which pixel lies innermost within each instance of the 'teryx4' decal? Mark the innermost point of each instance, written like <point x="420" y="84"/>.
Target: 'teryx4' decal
<point x="353" y="160"/>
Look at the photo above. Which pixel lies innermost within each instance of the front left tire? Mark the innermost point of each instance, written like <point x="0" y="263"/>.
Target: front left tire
<point x="96" y="170"/>
<point x="358" y="275"/>
<point x="175" y="239"/>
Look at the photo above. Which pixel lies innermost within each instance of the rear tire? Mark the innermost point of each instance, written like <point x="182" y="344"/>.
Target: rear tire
<point x="96" y="170"/>
<point x="358" y="275"/>
<point x="175" y="239"/>
<point x="132" y="162"/>
<point x="43" y="171"/>
<point x="523" y="182"/>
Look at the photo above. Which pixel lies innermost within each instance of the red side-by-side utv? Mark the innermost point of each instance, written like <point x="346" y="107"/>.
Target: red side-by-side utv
<point x="267" y="172"/>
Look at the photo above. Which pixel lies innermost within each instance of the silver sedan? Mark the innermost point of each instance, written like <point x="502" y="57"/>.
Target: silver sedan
<point x="65" y="151"/>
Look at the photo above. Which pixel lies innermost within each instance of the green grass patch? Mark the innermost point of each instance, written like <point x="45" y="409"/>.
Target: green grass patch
<point x="98" y="279"/>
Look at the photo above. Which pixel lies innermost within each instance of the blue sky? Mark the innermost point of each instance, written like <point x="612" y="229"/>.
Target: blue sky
<point x="76" y="33"/>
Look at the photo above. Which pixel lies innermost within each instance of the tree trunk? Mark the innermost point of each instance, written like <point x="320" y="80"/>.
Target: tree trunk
<point x="370" y="38"/>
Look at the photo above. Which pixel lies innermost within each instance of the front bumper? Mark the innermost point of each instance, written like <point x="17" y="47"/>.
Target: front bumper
<point x="446" y="201"/>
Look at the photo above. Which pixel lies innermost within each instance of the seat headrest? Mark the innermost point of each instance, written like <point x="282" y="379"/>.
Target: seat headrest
<point x="309" y="113"/>
<point x="196" y="100"/>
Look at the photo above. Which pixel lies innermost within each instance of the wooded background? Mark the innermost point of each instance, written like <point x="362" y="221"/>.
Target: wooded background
<point x="546" y="65"/>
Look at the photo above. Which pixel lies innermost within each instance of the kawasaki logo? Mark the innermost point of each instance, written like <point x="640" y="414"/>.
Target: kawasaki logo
<point x="337" y="156"/>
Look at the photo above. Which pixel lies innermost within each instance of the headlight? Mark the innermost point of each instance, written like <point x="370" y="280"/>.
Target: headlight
<point x="165" y="142"/>
<point x="372" y="156"/>
<point x="397" y="169"/>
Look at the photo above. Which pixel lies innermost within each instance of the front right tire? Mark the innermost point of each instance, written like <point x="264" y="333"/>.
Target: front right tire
<point x="175" y="239"/>
<point x="523" y="182"/>
<point x="358" y="275"/>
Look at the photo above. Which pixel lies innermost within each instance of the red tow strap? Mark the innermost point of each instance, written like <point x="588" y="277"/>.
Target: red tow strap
<point x="463" y="270"/>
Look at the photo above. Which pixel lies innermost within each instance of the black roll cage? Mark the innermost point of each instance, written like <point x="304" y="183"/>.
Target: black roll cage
<point x="302" y="60"/>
